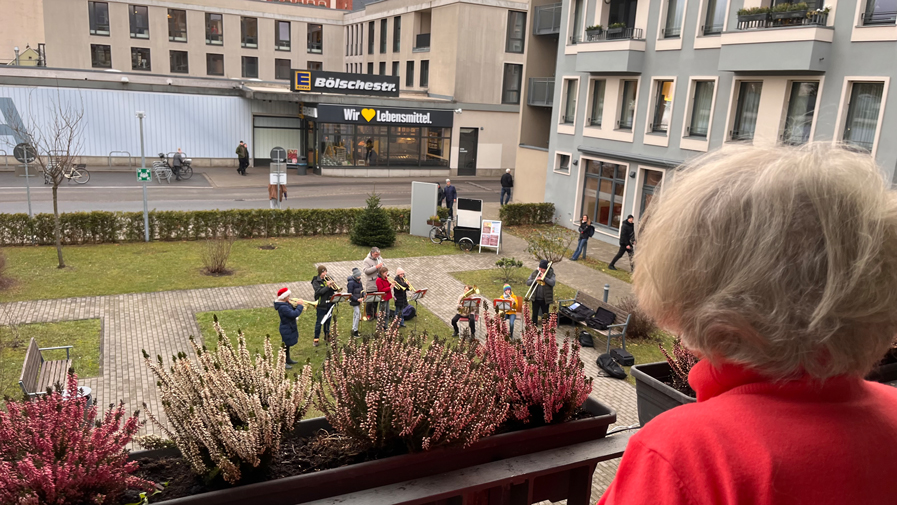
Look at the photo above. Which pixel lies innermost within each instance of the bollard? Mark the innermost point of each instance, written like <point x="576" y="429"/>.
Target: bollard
<point x="606" y="292"/>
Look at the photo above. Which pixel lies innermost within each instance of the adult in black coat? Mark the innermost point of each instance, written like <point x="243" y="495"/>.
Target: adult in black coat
<point x="451" y="194"/>
<point x="627" y="243"/>
<point x="289" y="333"/>
<point x="440" y="195"/>
<point x="507" y="182"/>
<point x="323" y="291"/>
<point x="586" y="230"/>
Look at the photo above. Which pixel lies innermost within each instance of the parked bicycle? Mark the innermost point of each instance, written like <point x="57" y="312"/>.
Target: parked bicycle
<point x="162" y="168"/>
<point x="76" y="172"/>
<point x="443" y="231"/>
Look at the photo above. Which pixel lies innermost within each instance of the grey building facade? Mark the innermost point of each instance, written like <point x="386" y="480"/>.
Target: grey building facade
<point x="682" y="77"/>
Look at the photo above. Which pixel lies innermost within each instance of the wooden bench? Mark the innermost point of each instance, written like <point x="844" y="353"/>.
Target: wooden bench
<point x="39" y="374"/>
<point x="621" y="318"/>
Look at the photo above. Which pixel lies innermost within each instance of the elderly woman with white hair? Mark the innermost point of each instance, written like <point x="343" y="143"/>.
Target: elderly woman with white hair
<point x="778" y="267"/>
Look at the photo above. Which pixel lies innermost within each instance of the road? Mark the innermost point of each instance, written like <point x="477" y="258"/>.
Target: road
<point x="220" y="189"/>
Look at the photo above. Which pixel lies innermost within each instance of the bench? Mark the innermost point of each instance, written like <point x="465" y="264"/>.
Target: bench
<point x="621" y="318"/>
<point x="39" y="374"/>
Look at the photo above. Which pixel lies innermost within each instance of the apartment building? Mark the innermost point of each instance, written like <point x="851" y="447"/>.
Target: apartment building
<point x="641" y="86"/>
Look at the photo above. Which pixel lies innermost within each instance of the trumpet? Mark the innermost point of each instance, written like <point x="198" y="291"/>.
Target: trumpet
<point x="539" y="278"/>
<point x="296" y="301"/>
<point x="329" y="280"/>
<point x="393" y="283"/>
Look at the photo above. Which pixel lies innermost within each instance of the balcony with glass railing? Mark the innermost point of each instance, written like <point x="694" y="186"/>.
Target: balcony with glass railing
<point x="547" y="19"/>
<point x="540" y="92"/>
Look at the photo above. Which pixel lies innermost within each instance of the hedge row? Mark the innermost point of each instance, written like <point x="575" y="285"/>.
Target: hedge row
<point x="526" y="213"/>
<point x="101" y="227"/>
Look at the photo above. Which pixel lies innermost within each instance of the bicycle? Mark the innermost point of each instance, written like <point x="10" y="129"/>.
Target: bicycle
<point x="442" y="232"/>
<point x="76" y="172"/>
<point x="162" y="168"/>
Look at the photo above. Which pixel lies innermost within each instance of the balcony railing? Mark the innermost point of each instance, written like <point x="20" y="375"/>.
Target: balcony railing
<point x="612" y="34"/>
<point x="548" y="19"/>
<point x="540" y="92"/>
<point x="780" y="19"/>
<point x="422" y="42"/>
<point x="880" y="18"/>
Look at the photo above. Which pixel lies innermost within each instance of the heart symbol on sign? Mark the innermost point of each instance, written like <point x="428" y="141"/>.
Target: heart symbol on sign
<point x="368" y="114"/>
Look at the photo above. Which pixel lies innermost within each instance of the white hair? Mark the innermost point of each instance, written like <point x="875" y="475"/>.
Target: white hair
<point x="783" y="259"/>
<point x="508" y="170"/>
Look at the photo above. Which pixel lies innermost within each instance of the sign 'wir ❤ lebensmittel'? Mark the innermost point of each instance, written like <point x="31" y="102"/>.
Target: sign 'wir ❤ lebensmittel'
<point x="314" y="81"/>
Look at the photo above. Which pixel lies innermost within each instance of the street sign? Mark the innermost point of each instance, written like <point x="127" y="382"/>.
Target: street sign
<point x="22" y="150"/>
<point x="278" y="154"/>
<point x="143" y="175"/>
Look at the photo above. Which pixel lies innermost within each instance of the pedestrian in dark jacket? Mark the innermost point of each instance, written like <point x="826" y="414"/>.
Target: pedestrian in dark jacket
<point x="400" y="295"/>
<point x="354" y="288"/>
<point x="243" y="157"/>
<point x="544" y="293"/>
<point x="440" y="195"/>
<point x="324" y="289"/>
<point x="507" y="182"/>
<point x="451" y="194"/>
<point x="586" y="230"/>
<point x="289" y="332"/>
<point x="627" y="243"/>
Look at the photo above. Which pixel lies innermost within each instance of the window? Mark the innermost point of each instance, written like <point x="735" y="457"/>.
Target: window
<point x="177" y="25"/>
<point x="282" y="35"/>
<point x="424" y="73"/>
<point x="516" y="28"/>
<point x="215" y="64"/>
<point x="862" y="114"/>
<point x="396" y="34"/>
<point x="746" y="111"/>
<point x="562" y="163"/>
<point x="715" y="17"/>
<point x="179" y="63"/>
<point x="627" y="105"/>
<point x="139" y="20"/>
<point x="409" y="74"/>
<point x="577" y="21"/>
<point x="801" y="108"/>
<point x="370" y="68"/>
<point x="282" y="69"/>
<point x="371" y="37"/>
<point x="663" y="106"/>
<point x="214" y="30"/>
<point x="382" y="68"/>
<point x="602" y="198"/>
<point x="700" y="109"/>
<point x="315" y="39"/>
<point x="383" y="36"/>
<point x="98" y="12"/>
<point x="250" y="67"/>
<point x="880" y="12"/>
<point x="140" y="58"/>
<point x="510" y="89"/>
<point x="569" y="101"/>
<point x="674" y="19"/>
<point x="314" y="65"/>
<point x="100" y="56"/>
<point x="395" y="68"/>
<point x="597" y="112"/>
<point x="249" y="32"/>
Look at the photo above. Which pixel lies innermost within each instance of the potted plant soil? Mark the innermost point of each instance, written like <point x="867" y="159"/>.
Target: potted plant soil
<point x="396" y="407"/>
<point x="755" y="16"/>
<point x="615" y="30"/>
<point x="593" y="32"/>
<point x="664" y="385"/>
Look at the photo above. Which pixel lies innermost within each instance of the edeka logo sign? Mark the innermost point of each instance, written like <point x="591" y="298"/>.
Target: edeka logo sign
<point x="392" y="116"/>
<point x="345" y="84"/>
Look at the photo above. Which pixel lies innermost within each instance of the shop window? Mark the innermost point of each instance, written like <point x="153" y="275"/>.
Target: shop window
<point x="382" y="68"/>
<point x="395" y="68"/>
<point x="404" y="146"/>
<point x="282" y="69"/>
<point x="602" y="198"/>
<point x="396" y="34"/>
<point x="336" y="147"/>
<point x="409" y="74"/>
<point x="510" y="90"/>
<point x="424" y="73"/>
<point x="315" y="65"/>
<point x="371" y="37"/>
<point x="100" y="56"/>
<point x="250" y="67"/>
<point x="215" y="64"/>
<point x="516" y="32"/>
<point x="249" y="32"/>
<point x="663" y="106"/>
<point x="699" y="126"/>
<point x="436" y="144"/>
<point x="862" y="114"/>
<point x="214" y="29"/>
<point x="179" y="63"/>
<point x="282" y="35"/>
<point x="177" y="25"/>
<point x="140" y="59"/>
<point x="370" y="146"/>
<point x="138" y="16"/>
<point x="383" y="36"/>
<point x="315" y="39"/>
<point x="746" y="111"/>
<point x="98" y="13"/>
<point x="801" y="109"/>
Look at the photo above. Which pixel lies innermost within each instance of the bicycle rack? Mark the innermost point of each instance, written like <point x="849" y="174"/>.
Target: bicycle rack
<point x="118" y="154"/>
<point x="5" y="157"/>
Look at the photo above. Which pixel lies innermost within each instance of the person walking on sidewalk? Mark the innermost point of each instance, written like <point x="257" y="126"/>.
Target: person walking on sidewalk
<point x="451" y="194"/>
<point x="354" y="288"/>
<point x="324" y="289"/>
<point x="627" y="243"/>
<point x="370" y="267"/>
<point x="586" y="230"/>
<point x="507" y="182"/>
<point x="176" y="163"/>
<point x="243" y="157"/>
<point x="289" y="333"/>
<point x="544" y="293"/>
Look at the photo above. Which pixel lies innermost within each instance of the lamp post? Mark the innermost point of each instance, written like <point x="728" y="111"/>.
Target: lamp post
<point x="140" y="116"/>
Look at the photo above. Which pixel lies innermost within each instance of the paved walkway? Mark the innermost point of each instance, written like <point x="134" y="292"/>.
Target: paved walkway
<point x="162" y="322"/>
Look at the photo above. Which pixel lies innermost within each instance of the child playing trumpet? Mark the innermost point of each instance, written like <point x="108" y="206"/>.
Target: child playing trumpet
<point x="288" y="312"/>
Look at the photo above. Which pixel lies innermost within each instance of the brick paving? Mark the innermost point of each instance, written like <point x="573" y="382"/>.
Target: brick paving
<point x="162" y="322"/>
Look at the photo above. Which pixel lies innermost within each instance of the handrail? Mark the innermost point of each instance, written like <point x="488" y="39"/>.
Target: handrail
<point x="130" y="158"/>
<point x="5" y="157"/>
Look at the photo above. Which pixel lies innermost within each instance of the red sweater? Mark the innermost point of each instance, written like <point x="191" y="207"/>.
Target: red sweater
<point x="750" y="441"/>
<point x="386" y="287"/>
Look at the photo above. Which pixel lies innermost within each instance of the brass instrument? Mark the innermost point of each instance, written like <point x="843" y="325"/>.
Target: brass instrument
<point x="329" y="280"/>
<point x="392" y="282"/>
<point x="462" y="309"/>
<point x="295" y="301"/>
<point x="539" y="278"/>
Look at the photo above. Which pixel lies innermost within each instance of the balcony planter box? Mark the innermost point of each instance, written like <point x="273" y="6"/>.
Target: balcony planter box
<point x="653" y="395"/>
<point x="747" y="18"/>
<point x="593" y="34"/>
<point x="779" y="16"/>
<point x="614" y="31"/>
<point x="371" y="474"/>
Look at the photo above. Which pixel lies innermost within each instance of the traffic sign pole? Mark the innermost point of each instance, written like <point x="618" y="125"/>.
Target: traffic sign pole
<point x="28" y="189"/>
<point x="25" y="153"/>
<point x="140" y="116"/>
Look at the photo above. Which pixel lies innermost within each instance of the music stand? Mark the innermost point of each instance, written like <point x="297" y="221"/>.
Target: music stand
<point x="415" y="297"/>
<point x="501" y="304"/>
<point x="339" y="297"/>
<point x="375" y="298"/>
<point x="473" y="305"/>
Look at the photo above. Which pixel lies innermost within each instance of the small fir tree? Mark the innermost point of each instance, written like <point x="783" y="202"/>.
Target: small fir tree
<point x="374" y="228"/>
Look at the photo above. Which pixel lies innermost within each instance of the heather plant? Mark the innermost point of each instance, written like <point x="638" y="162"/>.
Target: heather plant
<point x="681" y="362"/>
<point x="396" y="391"/>
<point x="52" y="452"/>
<point x="227" y="411"/>
<point x="543" y="379"/>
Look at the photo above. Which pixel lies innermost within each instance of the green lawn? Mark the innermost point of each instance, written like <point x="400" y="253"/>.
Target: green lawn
<point x="491" y="281"/>
<point x="111" y="269"/>
<point x="84" y="335"/>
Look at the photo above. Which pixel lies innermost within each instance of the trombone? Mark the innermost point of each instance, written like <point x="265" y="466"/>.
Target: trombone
<point x="329" y="280"/>
<point x="539" y="278"/>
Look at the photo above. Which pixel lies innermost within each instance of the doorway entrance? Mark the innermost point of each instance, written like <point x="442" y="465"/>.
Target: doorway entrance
<point x="467" y="151"/>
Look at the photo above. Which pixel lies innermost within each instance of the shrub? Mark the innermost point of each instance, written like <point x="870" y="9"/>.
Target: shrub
<point x="542" y="380"/>
<point x="594" y="28"/>
<point x="509" y="267"/>
<point x="550" y="244"/>
<point x="402" y="391"/>
<point x="753" y="10"/>
<point x="514" y="214"/>
<point x="641" y="325"/>
<point x="373" y="227"/>
<point x="618" y="25"/>
<point x="51" y="452"/>
<point x="215" y="253"/>
<point x="681" y="363"/>
<point x="228" y="412"/>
